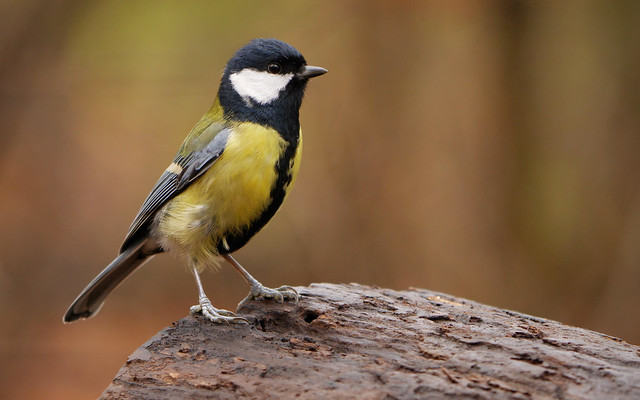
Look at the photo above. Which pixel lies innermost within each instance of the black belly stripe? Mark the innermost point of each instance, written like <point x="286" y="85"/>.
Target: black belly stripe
<point x="284" y="174"/>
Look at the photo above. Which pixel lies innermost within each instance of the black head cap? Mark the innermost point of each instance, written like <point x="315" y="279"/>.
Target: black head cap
<point x="260" y="53"/>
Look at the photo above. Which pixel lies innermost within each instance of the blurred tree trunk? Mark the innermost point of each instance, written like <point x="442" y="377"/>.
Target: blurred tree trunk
<point x="353" y="341"/>
<point x="31" y="36"/>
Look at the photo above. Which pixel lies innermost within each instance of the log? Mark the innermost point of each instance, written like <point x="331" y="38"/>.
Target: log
<point x="354" y="341"/>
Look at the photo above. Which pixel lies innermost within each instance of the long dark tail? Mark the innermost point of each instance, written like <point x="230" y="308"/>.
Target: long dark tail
<point x="92" y="297"/>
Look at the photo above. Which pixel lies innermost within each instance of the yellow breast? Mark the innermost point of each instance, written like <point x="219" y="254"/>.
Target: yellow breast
<point x="229" y="196"/>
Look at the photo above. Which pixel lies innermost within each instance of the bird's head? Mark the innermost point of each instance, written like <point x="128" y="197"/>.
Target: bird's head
<point x="265" y="80"/>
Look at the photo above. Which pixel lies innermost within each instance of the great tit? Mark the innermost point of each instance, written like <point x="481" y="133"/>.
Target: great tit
<point x="230" y="176"/>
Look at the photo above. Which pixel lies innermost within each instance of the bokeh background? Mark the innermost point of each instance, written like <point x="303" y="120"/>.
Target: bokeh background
<point x="487" y="149"/>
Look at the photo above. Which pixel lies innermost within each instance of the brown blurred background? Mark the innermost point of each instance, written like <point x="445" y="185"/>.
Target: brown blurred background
<point x="486" y="149"/>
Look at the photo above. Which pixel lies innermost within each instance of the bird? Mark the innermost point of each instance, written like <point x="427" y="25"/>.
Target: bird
<point x="227" y="180"/>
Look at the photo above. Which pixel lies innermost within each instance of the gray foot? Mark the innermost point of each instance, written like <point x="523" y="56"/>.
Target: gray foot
<point x="216" y="315"/>
<point x="260" y="292"/>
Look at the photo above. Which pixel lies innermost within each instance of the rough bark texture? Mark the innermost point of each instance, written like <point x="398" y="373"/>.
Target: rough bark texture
<point x="354" y="341"/>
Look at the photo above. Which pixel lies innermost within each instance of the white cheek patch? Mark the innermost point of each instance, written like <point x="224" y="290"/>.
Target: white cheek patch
<point x="259" y="86"/>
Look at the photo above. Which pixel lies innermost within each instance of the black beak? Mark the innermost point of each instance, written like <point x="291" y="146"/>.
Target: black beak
<point x="309" y="72"/>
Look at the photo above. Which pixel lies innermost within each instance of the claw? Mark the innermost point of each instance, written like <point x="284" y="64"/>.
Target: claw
<point x="260" y="292"/>
<point x="216" y="315"/>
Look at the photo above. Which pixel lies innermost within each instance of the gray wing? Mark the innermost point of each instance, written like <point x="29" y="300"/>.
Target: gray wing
<point x="172" y="182"/>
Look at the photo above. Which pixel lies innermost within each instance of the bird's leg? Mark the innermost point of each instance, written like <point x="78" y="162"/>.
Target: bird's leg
<point x="208" y="310"/>
<point x="258" y="291"/>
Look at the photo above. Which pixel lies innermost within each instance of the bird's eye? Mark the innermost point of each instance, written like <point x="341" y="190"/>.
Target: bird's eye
<point x="274" y="68"/>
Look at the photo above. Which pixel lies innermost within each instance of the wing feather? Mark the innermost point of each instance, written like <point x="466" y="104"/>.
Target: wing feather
<point x="171" y="183"/>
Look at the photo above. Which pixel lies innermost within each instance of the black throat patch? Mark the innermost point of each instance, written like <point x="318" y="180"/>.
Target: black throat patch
<point x="284" y="176"/>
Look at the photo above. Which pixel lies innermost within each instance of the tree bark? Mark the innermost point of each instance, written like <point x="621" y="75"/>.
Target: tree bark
<point x="354" y="341"/>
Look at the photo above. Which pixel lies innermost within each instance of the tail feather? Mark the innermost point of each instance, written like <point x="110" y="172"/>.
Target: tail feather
<point x="92" y="297"/>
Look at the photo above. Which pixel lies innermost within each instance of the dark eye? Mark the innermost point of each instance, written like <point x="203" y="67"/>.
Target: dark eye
<point x="274" y="68"/>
